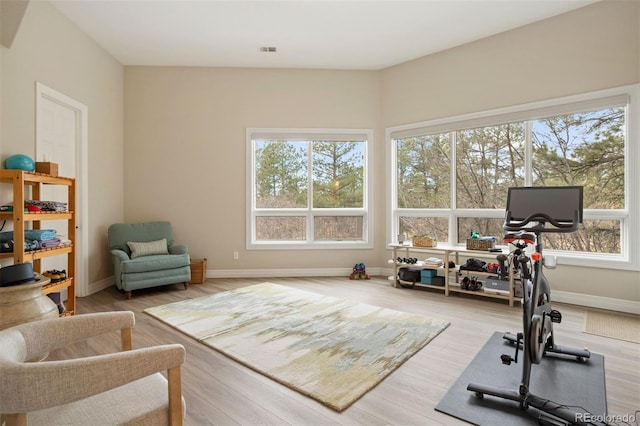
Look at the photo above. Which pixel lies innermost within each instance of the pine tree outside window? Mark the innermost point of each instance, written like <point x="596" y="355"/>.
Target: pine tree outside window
<point x="450" y="177"/>
<point x="308" y="188"/>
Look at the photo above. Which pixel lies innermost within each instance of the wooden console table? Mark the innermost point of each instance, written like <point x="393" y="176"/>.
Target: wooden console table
<point x="450" y="253"/>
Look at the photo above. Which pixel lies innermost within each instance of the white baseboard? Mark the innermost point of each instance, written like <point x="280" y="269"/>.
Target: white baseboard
<point x="599" y="302"/>
<point x="283" y="273"/>
<point x="100" y="285"/>
<point x="580" y="299"/>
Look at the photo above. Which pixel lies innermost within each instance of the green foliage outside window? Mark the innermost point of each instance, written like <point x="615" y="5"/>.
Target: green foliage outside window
<point x="423" y="168"/>
<point x="338" y="179"/>
<point x="489" y="160"/>
<point x="584" y="148"/>
<point x="310" y="175"/>
<point x="281" y="174"/>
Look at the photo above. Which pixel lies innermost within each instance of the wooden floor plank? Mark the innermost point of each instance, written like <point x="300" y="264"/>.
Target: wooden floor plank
<point x="222" y="392"/>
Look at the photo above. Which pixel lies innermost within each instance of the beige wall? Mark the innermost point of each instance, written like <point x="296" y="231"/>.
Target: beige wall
<point x="183" y="155"/>
<point x="185" y="151"/>
<point x="49" y="49"/>
<point x="592" y="48"/>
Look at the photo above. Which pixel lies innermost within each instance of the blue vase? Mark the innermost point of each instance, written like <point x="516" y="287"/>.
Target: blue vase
<point x="20" y="162"/>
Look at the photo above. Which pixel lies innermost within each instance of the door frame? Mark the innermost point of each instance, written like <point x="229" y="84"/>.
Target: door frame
<point x="82" y="200"/>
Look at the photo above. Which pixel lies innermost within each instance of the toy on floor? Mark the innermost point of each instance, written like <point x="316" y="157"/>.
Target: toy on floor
<point x="359" y="272"/>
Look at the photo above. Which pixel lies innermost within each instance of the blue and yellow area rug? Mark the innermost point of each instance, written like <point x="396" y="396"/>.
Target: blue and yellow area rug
<point x="324" y="347"/>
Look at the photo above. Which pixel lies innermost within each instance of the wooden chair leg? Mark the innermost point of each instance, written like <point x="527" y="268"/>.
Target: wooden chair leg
<point x="128" y="293"/>
<point x="19" y="419"/>
<point x="186" y="285"/>
<point x="125" y="338"/>
<point x="175" y="396"/>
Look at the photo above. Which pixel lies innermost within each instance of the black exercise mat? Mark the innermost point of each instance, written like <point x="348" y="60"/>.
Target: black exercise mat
<point x="559" y="379"/>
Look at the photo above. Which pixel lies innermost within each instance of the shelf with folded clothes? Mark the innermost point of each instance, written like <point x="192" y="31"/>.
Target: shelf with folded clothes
<point x="33" y="217"/>
<point x="37" y="206"/>
<point x="35" y="240"/>
<point x="28" y="190"/>
<point x="40" y="235"/>
<point x="40" y="253"/>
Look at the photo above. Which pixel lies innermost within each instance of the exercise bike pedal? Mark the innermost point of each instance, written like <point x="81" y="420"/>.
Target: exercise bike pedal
<point x="555" y="316"/>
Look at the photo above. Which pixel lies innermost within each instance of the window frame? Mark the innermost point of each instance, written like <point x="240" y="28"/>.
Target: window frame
<point x="309" y="212"/>
<point x="628" y="259"/>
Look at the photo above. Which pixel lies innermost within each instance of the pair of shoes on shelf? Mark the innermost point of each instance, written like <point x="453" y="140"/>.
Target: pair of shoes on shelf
<point x="55" y="275"/>
<point x="470" y="284"/>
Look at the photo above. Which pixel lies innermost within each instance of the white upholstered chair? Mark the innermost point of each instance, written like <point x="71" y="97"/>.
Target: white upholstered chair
<point x="121" y="388"/>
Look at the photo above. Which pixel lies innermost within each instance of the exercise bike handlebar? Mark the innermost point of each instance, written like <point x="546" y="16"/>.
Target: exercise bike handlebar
<point x="536" y="223"/>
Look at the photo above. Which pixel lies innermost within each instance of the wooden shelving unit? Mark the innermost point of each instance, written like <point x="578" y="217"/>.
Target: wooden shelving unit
<point x="22" y="182"/>
<point x="450" y="253"/>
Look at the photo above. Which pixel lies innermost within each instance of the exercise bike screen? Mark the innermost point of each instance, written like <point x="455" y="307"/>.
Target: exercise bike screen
<point x="558" y="202"/>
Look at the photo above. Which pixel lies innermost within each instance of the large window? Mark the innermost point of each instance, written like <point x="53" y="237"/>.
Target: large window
<point x="308" y="188"/>
<point x="450" y="177"/>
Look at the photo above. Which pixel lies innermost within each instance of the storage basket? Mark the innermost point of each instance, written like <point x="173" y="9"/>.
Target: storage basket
<point x="423" y="242"/>
<point x="476" y="244"/>
<point x="198" y="271"/>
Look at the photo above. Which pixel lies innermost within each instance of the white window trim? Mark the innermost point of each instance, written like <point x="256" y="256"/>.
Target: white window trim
<point x="630" y="227"/>
<point x="324" y="134"/>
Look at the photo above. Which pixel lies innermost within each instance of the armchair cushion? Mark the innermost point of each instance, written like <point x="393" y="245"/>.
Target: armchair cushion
<point x="154" y="263"/>
<point x="147" y="249"/>
<point x="142" y="404"/>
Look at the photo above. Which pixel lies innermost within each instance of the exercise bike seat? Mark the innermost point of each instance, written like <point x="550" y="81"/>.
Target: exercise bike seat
<point x="519" y="236"/>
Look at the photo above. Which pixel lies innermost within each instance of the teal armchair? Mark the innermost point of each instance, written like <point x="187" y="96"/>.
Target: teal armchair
<point x="145" y="255"/>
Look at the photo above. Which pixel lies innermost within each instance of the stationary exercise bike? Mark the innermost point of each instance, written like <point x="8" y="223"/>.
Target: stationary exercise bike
<point x="530" y="213"/>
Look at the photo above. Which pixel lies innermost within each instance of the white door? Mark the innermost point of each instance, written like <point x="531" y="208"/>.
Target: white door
<point x="61" y="138"/>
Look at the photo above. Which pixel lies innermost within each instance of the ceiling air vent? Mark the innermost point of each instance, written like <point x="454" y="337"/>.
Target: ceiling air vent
<point x="267" y="49"/>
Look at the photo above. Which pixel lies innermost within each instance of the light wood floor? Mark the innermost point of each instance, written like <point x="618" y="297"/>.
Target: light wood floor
<point x="219" y="391"/>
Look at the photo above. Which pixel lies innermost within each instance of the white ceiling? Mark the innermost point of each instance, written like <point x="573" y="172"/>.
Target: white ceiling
<point x="335" y="34"/>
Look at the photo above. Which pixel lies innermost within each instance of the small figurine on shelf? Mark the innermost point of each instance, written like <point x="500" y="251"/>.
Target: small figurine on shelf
<point x="359" y="272"/>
